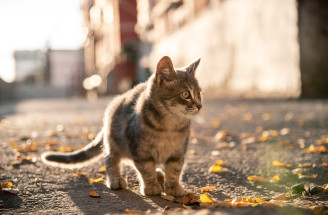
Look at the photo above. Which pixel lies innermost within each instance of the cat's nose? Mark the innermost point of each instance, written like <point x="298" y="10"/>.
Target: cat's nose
<point x="199" y="106"/>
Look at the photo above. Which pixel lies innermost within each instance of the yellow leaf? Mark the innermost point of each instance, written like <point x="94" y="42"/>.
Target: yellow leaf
<point x="266" y="116"/>
<point x="78" y="174"/>
<point x="257" y="179"/>
<point x="263" y="138"/>
<point x="216" y="123"/>
<point x="248" y="116"/>
<point x="277" y="163"/>
<point x="97" y="180"/>
<point x="276" y="178"/>
<point x="204" y="198"/>
<point x="274" y="133"/>
<point x="318" y="149"/>
<point x="102" y="169"/>
<point x="94" y="194"/>
<point x="219" y="162"/>
<point x="325" y="164"/>
<point x="6" y="184"/>
<point x="305" y="165"/>
<point x="216" y="168"/>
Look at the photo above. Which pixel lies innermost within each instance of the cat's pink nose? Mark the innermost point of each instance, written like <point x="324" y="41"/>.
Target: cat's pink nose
<point x="199" y="106"/>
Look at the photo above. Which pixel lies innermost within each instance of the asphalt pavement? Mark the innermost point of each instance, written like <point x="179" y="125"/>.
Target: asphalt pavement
<point x="284" y="142"/>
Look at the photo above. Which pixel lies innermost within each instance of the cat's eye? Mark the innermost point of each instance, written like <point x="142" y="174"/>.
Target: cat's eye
<point x="185" y="94"/>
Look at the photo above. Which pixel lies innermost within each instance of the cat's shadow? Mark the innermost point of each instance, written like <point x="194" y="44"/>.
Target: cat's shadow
<point x="113" y="201"/>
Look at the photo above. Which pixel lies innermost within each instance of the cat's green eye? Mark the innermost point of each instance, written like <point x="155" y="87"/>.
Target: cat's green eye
<point x="185" y="94"/>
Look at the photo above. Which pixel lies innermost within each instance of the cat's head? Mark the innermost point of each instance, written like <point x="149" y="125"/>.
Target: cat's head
<point x="178" y="89"/>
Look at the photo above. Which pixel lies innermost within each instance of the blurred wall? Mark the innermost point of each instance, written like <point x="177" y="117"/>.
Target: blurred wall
<point x="247" y="49"/>
<point x="313" y="38"/>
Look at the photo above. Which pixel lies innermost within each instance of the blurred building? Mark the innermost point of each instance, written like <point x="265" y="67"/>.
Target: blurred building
<point x="247" y="49"/>
<point x="30" y="66"/>
<point x="111" y="43"/>
<point x="54" y="73"/>
<point x="67" y="71"/>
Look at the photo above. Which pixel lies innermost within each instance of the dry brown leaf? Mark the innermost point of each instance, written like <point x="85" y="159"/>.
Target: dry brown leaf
<point x="282" y="197"/>
<point x="94" y="194"/>
<point x="257" y="179"/>
<point x="325" y="164"/>
<point x="168" y="198"/>
<point x="278" y="163"/>
<point x="286" y="143"/>
<point x="190" y="199"/>
<point x="6" y="184"/>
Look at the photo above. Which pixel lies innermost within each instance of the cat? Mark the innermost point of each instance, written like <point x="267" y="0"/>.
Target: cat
<point x="150" y="125"/>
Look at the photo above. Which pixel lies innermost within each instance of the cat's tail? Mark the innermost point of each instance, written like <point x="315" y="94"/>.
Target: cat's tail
<point x="78" y="158"/>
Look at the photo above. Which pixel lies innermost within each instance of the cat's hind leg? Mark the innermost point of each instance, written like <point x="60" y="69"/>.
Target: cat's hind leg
<point x="114" y="179"/>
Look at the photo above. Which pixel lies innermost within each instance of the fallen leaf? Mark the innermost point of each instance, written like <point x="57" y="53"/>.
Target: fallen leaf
<point x="190" y="199"/>
<point x="305" y="165"/>
<point x="300" y="122"/>
<point x="216" y="123"/>
<point x="168" y="198"/>
<point x="325" y="164"/>
<point x="132" y="212"/>
<point x="93" y="193"/>
<point x="207" y="189"/>
<point x="319" y="149"/>
<point x="282" y="197"/>
<point x="217" y="168"/>
<point x="102" y="169"/>
<point x="66" y="149"/>
<point x="204" y="198"/>
<point x="263" y="138"/>
<point x="284" y="131"/>
<point x="78" y="174"/>
<point x="285" y="143"/>
<point x="244" y="147"/>
<point x="277" y="163"/>
<point x="273" y="133"/>
<point x="248" y="116"/>
<point x="266" y="116"/>
<point x="301" y="176"/>
<point x="221" y="135"/>
<point x="6" y="184"/>
<point x="219" y="162"/>
<point x="97" y="180"/>
<point x="257" y="179"/>
<point x="276" y="178"/>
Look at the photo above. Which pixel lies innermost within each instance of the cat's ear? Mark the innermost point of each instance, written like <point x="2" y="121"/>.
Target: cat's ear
<point x="193" y="67"/>
<point x="165" y="71"/>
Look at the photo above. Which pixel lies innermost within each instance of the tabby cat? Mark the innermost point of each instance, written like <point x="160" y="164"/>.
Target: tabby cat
<point x="150" y="125"/>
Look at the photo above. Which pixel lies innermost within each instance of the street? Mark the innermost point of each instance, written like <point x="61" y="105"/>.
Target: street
<point x="282" y="141"/>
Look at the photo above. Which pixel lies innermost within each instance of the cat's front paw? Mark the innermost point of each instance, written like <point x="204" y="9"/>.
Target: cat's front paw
<point x="175" y="190"/>
<point x="153" y="189"/>
<point x="116" y="183"/>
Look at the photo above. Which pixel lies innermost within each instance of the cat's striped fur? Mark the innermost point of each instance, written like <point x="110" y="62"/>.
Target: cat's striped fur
<point x="149" y="124"/>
